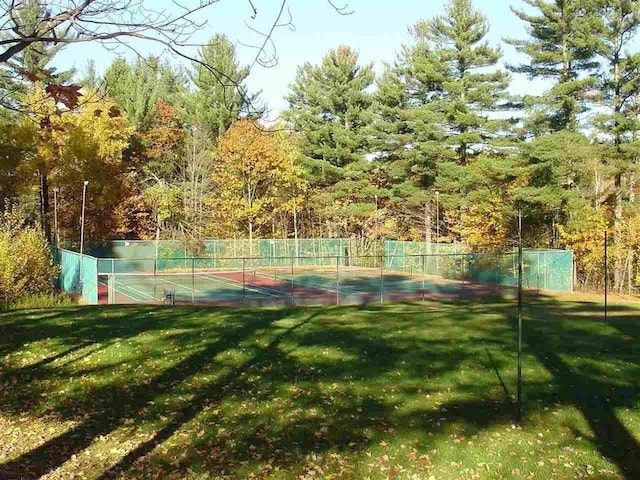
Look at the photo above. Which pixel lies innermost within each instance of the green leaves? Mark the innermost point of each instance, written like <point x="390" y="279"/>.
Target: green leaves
<point x="26" y="263"/>
<point x="136" y="88"/>
<point x="331" y="108"/>
<point x="562" y="37"/>
<point x="221" y="95"/>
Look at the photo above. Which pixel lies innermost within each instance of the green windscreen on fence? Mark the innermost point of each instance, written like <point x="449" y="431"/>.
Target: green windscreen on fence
<point x="542" y="269"/>
<point x="79" y="275"/>
<point x="128" y="256"/>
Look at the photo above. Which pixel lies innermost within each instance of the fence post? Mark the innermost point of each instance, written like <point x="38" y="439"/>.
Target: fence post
<point x="423" y="273"/>
<point x="337" y="280"/>
<point x="244" y="285"/>
<point x="155" y="281"/>
<point x="519" y="373"/>
<point x="606" y="278"/>
<point x="462" y="276"/>
<point x="193" y="280"/>
<point x="111" y="286"/>
<point x="382" y="258"/>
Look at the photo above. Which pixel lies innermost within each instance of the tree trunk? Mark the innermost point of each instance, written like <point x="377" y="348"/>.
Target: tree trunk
<point x="44" y="206"/>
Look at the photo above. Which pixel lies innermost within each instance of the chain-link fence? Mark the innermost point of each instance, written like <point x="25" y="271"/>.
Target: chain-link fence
<point x="550" y="270"/>
<point x="353" y="279"/>
<point x="306" y="271"/>
<point x="170" y="250"/>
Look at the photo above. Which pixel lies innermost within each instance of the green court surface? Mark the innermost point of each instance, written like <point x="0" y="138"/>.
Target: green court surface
<point x="149" y="288"/>
<point x="325" y="284"/>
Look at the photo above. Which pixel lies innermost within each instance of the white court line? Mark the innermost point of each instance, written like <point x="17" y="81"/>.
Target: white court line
<point x="346" y="286"/>
<point x="317" y="287"/>
<point x="128" y="296"/>
<point x="119" y="292"/>
<point x="135" y="290"/>
<point x="262" y="290"/>
<point x="179" y="285"/>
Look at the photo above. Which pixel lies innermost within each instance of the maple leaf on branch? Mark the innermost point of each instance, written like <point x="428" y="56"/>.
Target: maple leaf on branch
<point x="30" y="76"/>
<point x="66" y="94"/>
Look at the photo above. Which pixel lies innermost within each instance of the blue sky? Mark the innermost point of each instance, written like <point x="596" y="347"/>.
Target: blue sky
<point x="376" y="29"/>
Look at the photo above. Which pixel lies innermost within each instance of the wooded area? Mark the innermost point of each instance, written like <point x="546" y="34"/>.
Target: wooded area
<point x="434" y="146"/>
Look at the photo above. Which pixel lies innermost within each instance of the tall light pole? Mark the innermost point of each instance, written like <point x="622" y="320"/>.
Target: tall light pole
<point x="55" y="215"/>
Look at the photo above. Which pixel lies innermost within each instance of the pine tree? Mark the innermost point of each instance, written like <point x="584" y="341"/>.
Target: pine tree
<point x="560" y="47"/>
<point x="436" y="103"/>
<point x="619" y="21"/>
<point x="453" y="54"/>
<point x="221" y="95"/>
<point x="33" y="63"/>
<point x="563" y="172"/>
<point x="137" y="88"/>
<point x="330" y="110"/>
<point x="404" y="136"/>
<point x="90" y="78"/>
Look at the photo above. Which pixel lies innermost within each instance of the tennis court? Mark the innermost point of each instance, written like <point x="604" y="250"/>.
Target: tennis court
<point x="278" y="286"/>
<point x="405" y="271"/>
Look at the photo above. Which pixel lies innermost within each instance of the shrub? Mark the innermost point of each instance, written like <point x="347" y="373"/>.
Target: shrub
<point x="26" y="263"/>
<point x="43" y="300"/>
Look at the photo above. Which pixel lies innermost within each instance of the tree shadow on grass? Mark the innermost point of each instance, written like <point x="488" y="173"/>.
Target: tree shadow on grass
<point x="106" y="408"/>
<point x="305" y="381"/>
<point x="345" y="416"/>
<point x="346" y="419"/>
<point x="577" y="348"/>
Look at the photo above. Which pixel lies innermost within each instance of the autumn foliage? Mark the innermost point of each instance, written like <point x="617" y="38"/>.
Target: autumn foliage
<point x="26" y="264"/>
<point x="255" y="178"/>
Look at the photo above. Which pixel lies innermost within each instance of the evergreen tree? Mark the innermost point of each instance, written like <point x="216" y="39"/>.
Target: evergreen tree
<point x="330" y="106"/>
<point x="221" y="95"/>
<point x="561" y="172"/>
<point x="560" y="47"/>
<point x="404" y="135"/>
<point x="453" y="55"/>
<point x="619" y="21"/>
<point x="435" y="106"/>
<point x="32" y="63"/>
<point x="137" y="88"/>
<point x="331" y="111"/>
<point x="90" y="78"/>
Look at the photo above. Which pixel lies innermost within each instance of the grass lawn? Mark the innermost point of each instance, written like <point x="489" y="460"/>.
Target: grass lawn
<point x="411" y="391"/>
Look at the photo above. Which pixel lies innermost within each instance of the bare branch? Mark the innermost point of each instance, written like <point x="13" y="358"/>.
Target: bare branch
<point x="109" y="22"/>
<point x="343" y="10"/>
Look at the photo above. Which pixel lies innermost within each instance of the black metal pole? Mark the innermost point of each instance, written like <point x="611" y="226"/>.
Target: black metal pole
<point x="519" y="379"/>
<point x="337" y="280"/>
<point x="606" y="277"/>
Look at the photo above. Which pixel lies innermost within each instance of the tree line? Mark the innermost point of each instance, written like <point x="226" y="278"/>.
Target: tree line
<point x="433" y="146"/>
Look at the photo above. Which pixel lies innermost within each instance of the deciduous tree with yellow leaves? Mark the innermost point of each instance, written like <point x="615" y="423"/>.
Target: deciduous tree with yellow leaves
<point x="255" y="177"/>
<point x="71" y="146"/>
